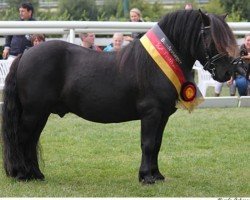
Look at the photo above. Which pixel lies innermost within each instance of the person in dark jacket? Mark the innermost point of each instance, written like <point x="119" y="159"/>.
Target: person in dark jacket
<point x="135" y="16"/>
<point x="16" y="44"/>
<point x="243" y="81"/>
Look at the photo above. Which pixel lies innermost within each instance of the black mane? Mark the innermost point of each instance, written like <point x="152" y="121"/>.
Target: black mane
<point x="181" y="27"/>
<point x="183" y="30"/>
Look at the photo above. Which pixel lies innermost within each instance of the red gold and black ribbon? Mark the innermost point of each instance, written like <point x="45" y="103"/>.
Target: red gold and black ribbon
<point x="163" y="53"/>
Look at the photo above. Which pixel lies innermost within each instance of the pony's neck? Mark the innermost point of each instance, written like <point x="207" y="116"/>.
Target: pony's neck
<point x="182" y="28"/>
<point x="185" y="54"/>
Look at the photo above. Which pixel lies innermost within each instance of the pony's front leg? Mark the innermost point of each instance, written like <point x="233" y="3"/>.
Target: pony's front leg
<point x="155" y="169"/>
<point x="152" y="127"/>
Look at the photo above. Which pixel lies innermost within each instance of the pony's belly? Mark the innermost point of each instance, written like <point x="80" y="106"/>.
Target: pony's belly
<point x="107" y="114"/>
<point x="104" y="104"/>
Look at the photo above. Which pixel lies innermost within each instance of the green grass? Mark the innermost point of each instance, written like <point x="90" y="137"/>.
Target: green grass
<point x="203" y="154"/>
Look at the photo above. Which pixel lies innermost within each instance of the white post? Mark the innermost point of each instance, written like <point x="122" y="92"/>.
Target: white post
<point x="72" y="35"/>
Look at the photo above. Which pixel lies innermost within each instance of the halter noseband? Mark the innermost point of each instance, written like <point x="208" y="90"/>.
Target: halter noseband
<point x="211" y="61"/>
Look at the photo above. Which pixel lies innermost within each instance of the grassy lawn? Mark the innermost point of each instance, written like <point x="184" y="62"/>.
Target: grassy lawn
<point x="203" y="154"/>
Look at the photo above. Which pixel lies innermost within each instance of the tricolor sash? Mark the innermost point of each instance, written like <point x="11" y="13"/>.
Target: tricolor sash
<point x="163" y="53"/>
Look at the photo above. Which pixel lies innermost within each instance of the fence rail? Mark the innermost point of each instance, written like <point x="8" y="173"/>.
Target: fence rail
<point x="71" y="28"/>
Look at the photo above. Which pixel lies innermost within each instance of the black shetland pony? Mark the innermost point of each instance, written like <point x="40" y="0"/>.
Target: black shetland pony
<point x="59" y="77"/>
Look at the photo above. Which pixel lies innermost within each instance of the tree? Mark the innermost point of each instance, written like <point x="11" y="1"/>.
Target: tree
<point x="79" y="9"/>
<point x="9" y="14"/>
<point x="238" y="7"/>
<point x="214" y="6"/>
<point x="118" y="10"/>
<point x="53" y="16"/>
<point x="109" y="10"/>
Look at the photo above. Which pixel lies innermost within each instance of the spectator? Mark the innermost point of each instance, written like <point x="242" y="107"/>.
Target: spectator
<point x="243" y="82"/>
<point x="117" y="43"/>
<point x="37" y="39"/>
<point x="246" y="46"/>
<point x="230" y="84"/>
<point x="16" y="44"/>
<point x="88" y="40"/>
<point x="135" y="16"/>
<point x="188" y="6"/>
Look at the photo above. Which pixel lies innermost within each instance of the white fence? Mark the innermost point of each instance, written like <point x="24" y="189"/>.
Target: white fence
<point x="71" y="28"/>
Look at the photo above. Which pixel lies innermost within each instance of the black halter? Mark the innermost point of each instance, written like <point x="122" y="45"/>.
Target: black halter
<point x="211" y="60"/>
<point x="210" y="65"/>
<point x="241" y="67"/>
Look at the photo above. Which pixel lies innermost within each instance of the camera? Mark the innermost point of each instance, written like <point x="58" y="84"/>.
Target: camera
<point x="243" y="52"/>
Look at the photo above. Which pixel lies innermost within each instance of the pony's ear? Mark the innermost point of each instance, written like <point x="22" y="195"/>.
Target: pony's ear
<point x="204" y="18"/>
<point x="224" y="16"/>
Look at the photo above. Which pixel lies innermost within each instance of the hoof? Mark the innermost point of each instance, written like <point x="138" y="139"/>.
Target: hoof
<point x="22" y="177"/>
<point x="31" y="175"/>
<point x="37" y="174"/>
<point x="159" y="177"/>
<point x="147" y="180"/>
<point x="40" y="177"/>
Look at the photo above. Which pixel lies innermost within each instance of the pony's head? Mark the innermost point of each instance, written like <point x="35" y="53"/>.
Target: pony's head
<point x="218" y="46"/>
<point x="203" y="37"/>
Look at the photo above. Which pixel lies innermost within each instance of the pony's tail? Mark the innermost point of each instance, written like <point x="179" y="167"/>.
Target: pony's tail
<point x="11" y="113"/>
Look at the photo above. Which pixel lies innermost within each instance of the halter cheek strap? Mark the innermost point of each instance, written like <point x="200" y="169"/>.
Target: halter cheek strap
<point x="211" y="61"/>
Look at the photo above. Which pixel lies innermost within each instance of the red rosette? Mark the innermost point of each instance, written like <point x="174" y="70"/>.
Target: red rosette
<point x="188" y="91"/>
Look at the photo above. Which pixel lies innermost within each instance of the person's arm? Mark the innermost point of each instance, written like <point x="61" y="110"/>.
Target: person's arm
<point x="128" y="38"/>
<point x="7" y="46"/>
<point x="246" y="58"/>
<point x="230" y="82"/>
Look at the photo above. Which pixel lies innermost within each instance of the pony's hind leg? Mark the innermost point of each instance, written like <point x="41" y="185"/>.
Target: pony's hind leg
<point x="31" y="126"/>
